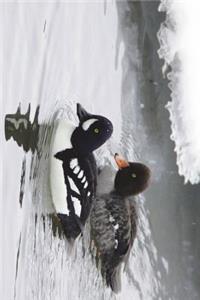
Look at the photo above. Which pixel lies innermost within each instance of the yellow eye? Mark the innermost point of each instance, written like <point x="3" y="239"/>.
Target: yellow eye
<point x="133" y="175"/>
<point x="96" y="130"/>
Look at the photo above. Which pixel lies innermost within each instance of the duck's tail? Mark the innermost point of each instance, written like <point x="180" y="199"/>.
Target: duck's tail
<point x="111" y="271"/>
<point x="113" y="278"/>
<point x="70" y="227"/>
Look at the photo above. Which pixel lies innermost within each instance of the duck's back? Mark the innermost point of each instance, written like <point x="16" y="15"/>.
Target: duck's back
<point x="113" y="224"/>
<point x="113" y="229"/>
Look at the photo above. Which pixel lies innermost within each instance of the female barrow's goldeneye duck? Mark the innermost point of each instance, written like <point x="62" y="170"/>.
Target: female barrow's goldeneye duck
<point x="73" y="171"/>
<point x="114" y="219"/>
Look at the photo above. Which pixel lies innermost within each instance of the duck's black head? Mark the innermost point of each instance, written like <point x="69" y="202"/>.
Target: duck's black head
<point x="92" y="132"/>
<point x="131" y="178"/>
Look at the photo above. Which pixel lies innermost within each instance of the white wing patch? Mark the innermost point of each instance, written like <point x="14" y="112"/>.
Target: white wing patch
<point x="83" y="180"/>
<point x="76" y="202"/>
<point x="73" y="163"/>
<point x="76" y="170"/>
<point x="85" y="185"/>
<point x="111" y="219"/>
<point x="73" y="185"/>
<point x="115" y="227"/>
<point x="77" y="206"/>
<point x="80" y="175"/>
<point x="116" y="244"/>
<point x="88" y="123"/>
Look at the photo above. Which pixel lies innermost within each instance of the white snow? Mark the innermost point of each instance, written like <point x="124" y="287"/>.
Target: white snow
<point x="180" y="47"/>
<point x="165" y="264"/>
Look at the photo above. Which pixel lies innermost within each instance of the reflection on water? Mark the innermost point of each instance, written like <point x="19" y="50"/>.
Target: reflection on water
<point x="30" y="135"/>
<point x="22" y="181"/>
<point x="25" y="133"/>
<point x="19" y="127"/>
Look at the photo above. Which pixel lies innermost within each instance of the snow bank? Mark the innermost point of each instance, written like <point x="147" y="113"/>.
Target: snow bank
<point x="179" y="46"/>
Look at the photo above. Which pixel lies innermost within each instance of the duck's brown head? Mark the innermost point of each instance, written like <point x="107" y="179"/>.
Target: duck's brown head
<point x="132" y="178"/>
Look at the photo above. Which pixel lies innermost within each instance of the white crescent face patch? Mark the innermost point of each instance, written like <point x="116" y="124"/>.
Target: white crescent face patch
<point x="88" y="123"/>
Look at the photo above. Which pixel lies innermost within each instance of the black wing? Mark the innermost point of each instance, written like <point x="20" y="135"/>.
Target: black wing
<point x="80" y="189"/>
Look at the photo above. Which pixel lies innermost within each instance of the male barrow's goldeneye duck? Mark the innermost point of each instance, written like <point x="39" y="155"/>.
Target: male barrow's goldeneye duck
<point x="73" y="171"/>
<point x="114" y="219"/>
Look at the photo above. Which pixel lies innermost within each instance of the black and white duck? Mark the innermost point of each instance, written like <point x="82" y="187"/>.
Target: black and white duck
<point x="114" y="219"/>
<point x="73" y="170"/>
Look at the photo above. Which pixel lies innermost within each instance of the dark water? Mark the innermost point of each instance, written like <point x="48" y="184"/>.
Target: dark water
<point x="174" y="207"/>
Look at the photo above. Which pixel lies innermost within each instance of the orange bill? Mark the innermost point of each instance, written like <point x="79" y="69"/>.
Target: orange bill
<point x="120" y="161"/>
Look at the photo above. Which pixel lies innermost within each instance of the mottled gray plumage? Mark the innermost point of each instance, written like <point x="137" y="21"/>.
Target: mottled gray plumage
<point x="114" y="217"/>
<point x="113" y="229"/>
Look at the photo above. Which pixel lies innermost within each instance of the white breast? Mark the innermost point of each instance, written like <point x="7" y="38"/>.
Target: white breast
<point x="60" y="141"/>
